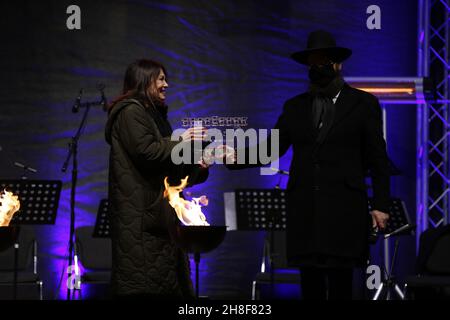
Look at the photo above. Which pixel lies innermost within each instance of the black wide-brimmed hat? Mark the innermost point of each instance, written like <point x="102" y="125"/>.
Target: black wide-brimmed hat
<point x="322" y="40"/>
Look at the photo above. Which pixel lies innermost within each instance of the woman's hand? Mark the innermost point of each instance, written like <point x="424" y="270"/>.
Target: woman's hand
<point x="195" y="134"/>
<point x="379" y="219"/>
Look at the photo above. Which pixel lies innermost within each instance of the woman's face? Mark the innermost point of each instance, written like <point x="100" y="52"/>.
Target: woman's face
<point x="161" y="86"/>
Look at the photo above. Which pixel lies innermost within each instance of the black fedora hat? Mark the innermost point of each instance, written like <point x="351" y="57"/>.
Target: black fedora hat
<point x="322" y="40"/>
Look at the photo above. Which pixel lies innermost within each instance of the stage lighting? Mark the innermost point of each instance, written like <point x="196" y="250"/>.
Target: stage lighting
<point x="395" y="90"/>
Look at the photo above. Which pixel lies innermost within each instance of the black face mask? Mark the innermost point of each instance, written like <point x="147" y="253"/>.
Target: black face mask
<point x="322" y="75"/>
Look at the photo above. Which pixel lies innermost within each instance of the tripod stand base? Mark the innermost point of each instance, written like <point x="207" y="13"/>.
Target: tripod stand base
<point x="385" y="290"/>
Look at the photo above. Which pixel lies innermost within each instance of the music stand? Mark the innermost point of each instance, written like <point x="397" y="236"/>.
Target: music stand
<point x="39" y="201"/>
<point x="102" y="226"/>
<point x="262" y="210"/>
<point x="398" y="224"/>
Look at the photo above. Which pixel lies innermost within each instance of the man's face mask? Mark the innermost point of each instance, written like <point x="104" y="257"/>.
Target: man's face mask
<point x="322" y="75"/>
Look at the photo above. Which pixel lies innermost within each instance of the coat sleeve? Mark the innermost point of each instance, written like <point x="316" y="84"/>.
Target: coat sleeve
<point x="283" y="143"/>
<point x="196" y="173"/>
<point x="376" y="158"/>
<point x="140" y="138"/>
<point x="282" y="125"/>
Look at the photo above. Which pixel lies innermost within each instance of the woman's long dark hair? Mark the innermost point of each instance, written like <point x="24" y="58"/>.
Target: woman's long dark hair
<point x="139" y="77"/>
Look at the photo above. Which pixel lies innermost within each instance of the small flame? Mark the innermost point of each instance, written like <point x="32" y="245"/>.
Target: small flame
<point x="188" y="212"/>
<point x="9" y="205"/>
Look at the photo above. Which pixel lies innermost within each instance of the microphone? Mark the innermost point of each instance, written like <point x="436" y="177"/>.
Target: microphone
<point x="280" y="171"/>
<point x="76" y="106"/>
<point x="103" y="101"/>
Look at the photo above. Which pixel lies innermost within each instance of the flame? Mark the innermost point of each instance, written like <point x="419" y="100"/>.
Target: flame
<point x="188" y="212"/>
<point x="9" y="205"/>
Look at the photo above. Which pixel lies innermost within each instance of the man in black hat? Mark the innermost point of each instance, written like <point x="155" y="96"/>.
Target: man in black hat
<point x="336" y="134"/>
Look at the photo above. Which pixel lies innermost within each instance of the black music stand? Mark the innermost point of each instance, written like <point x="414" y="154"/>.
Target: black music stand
<point x="262" y="210"/>
<point x="39" y="201"/>
<point x="102" y="227"/>
<point x="398" y="224"/>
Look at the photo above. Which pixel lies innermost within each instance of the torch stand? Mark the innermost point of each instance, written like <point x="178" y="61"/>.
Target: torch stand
<point x="197" y="268"/>
<point x="197" y="240"/>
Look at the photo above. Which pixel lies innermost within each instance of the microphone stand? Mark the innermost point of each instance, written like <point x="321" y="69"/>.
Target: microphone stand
<point x="389" y="284"/>
<point x="72" y="154"/>
<point x="25" y="169"/>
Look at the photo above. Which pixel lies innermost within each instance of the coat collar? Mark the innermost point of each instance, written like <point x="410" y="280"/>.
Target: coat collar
<point x="345" y="102"/>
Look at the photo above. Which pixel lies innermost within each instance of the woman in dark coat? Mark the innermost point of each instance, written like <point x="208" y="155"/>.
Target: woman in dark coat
<point x="146" y="262"/>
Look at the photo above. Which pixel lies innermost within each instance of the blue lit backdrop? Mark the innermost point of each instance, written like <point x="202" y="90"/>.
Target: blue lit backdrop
<point x="225" y="58"/>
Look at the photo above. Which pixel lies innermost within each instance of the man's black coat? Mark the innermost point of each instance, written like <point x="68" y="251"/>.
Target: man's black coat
<point x="327" y="197"/>
<point x="326" y="192"/>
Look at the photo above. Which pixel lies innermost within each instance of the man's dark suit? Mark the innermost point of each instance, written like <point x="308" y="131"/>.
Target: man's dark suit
<point x="327" y="196"/>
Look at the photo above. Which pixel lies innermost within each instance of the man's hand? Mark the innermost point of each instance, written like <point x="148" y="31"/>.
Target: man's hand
<point x="203" y="164"/>
<point x="229" y="154"/>
<point x="379" y="219"/>
<point x="223" y="152"/>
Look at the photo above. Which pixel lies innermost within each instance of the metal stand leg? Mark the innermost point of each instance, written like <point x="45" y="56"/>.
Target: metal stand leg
<point x="272" y="264"/>
<point x="399" y="292"/>
<point x="197" y="263"/>
<point x="16" y="261"/>
<point x="40" y="284"/>
<point x="254" y="290"/>
<point x="379" y="291"/>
